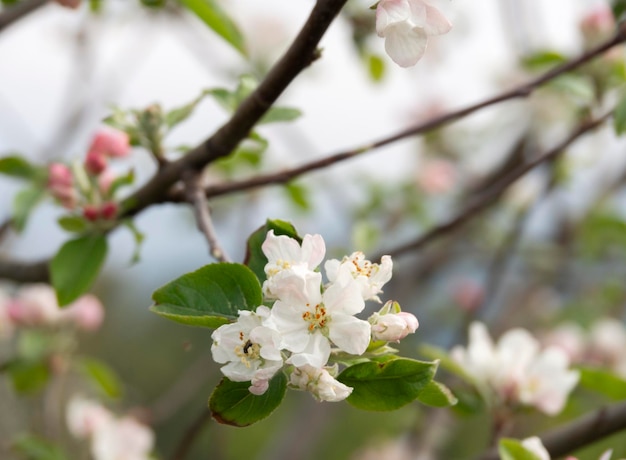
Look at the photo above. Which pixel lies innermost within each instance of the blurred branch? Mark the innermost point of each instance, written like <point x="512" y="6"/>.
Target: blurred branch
<point x="196" y="196"/>
<point x="581" y="432"/>
<point x="182" y="449"/>
<point x="15" y="13"/>
<point x="302" y="52"/>
<point x="480" y="203"/>
<point x="519" y="92"/>
<point x="24" y="272"/>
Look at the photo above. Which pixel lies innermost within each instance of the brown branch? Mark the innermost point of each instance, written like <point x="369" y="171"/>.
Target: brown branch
<point x="481" y="203"/>
<point x="13" y="14"/>
<point x="24" y="272"/>
<point x="182" y="449"/>
<point x="434" y="123"/>
<point x="302" y="52"/>
<point x="581" y="432"/>
<point x="196" y="196"/>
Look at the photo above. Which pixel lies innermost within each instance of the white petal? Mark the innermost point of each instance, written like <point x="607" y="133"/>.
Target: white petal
<point x="291" y="325"/>
<point x="534" y="445"/>
<point x="350" y="334"/>
<point x="390" y="12"/>
<point x="436" y="22"/>
<point x="313" y="250"/>
<point x="347" y="299"/>
<point x="405" y="45"/>
<point x="281" y="247"/>
<point x="316" y="352"/>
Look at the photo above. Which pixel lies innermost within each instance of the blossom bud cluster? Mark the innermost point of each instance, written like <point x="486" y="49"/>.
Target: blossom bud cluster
<point x="308" y="320"/>
<point x="516" y="370"/>
<point x="110" y="437"/>
<point x="36" y="306"/>
<point x="88" y="188"/>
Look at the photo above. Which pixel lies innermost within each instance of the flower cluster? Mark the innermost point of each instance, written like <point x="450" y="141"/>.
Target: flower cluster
<point x="406" y="26"/>
<point x="111" y="438"/>
<point x="309" y="320"/>
<point x="89" y="188"/>
<point x="535" y="446"/>
<point x="36" y="306"/>
<point x="516" y="370"/>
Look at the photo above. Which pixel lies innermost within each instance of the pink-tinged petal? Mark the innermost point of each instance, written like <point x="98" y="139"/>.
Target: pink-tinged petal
<point x="436" y="22"/>
<point x="313" y="250"/>
<point x="344" y="298"/>
<point x="259" y="387"/>
<point x="280" y="247"/>
<point x="350" y="334"/>
<point x="390" y="12"/>
<point x="418" y="13"/>
<point x="316" y="352"/>
<point x="404" y="44"/>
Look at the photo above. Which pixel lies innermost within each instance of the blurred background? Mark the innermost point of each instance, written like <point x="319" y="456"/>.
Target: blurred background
<point x="551" y="250"/>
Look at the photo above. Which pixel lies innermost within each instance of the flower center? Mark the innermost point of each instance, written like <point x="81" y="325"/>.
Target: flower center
<point x="247" y="352"/>
<point x="279" y="266"/>
<point x="316" y="317"/>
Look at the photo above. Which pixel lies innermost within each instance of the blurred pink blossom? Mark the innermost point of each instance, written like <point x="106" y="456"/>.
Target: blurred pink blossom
<point x="87" y="313"/>
<point x="468" y="294"/>
<point x="34" y="305"/>
<point x="110" y="142"/>
<point x="61" y="184"/>
<point x="95" y="162"/>
<point x="437" y="176"/>
<point x="570" y="338"/>
<point x="598" y="24"/>
<point x="74" y="4"/>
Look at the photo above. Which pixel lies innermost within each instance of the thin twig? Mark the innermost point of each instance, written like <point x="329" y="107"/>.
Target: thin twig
<point x="482" y="202"/>
<point x="581" y="432"/>
<point x="182" y="449"/>
<point x="12" y="14"/>
<point x="196" y="196"/>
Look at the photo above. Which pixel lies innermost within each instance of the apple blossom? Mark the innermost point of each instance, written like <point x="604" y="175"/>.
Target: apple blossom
<point x="607" y="342"/>
<point x="286" y="257"/>
<point x="535" y="446"/>
<point x="84" y="417"/>
<point x="110" y="142"/>
<point x="392" y="325"/>
<point x="250" y="350"/>
<point x="320" y="383"/>
<point x="87" y="313"/>
<point x="34" y="305"/>
<point x="515" y="369"/>
<point x="406" y="26"/>
<point x="309" y="319"/>
<point x="369" y="276"/>
<point x="61" y="185"/>
<point x="122" y="439"/>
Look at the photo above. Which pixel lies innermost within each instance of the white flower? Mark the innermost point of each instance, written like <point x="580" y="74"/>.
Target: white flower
<point x="122" y="439"/>
<point x="607" y="344"/>
<point x="370" y="277"/>
<point x="85" y="417"/>
<point x="515" y="369"/>
<point x="320" y="383"/>
<point x="406" y="26"/>
<point x="392" y="325"/>
<point x="308" y="320"/>
<point x="285" y="258"/>
<point x="535" y="446"/>
<point x="250" y="349"/>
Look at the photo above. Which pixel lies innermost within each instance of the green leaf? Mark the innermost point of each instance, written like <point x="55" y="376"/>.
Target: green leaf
<point x="619" y="116"/>
<point x="102" y="376"/>
<point x="376" y="67"/>
<point x="542" y="60"/>
<point x="75" y="267"/>
<point x="299" y="195"/>
<point x="225" y="98"/>
<point x="180" y="114"/>
<point x="74" y="224"/>
<point x="603" y="381"/>
<point x="23" y="205"/>
<point x="138" y="236"/>
<point x="210" y="296"/>
<point x="33" y="447"/>
<point x="387" y="385"/>
<point x="218" y="20"/>
<point x="232" y="403"/>
<point x="437" y="395"/>
<point x="121" y="181"/>
<point x="28" y="377"/>
<point x="255" y="259"/>
<point x="512" y="449"/>
<point x="280" y="114"/>
<point x="18" y="167"/>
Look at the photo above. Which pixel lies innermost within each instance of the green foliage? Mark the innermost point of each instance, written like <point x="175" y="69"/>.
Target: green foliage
<point x="209" y="12"/>
<point x="619" y="116"/>
<point x="255" y="259"/>
<point x="31" y="447"/>
<point x="232" y="403"/>
<point x="512" y="449"/>
<point x="375" y="67"/>
<point x="101" y="376"/>
<point x="388" y="385"/>
<point x="210" y="296"/>
<point x="73" y="224"/>
<point x="437" y="395"/>
<point x="604" y="382"/>
<point x="28" y="376"/>
<point x="75" y="267"/>
<point x="299" y="195"/>
<point x="23" y="205"/>
<point x="180" y="114"/>
<point x="138" y="237"/>
<point x="19" y="168"/>
<point x="541" y="60"/>
<point x="602" y="233"/>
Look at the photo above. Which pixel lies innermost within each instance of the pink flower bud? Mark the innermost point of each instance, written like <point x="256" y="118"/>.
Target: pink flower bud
<point x="393" y="327"/>
<point x="59" y="175"/>
<point x="111" y="142"/>
<point x="598" y="24"/>
<point x="108" y="211"/>
<point x="95" y="162"/>
<point x="34" y="306"/>
<point x="91" y="213"/>
<point x="87" y="313"/>
<point x="105" y="180"/>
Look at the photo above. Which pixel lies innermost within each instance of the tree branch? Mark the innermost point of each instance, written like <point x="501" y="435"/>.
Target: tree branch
<point x="481" y="202"/>
<point x="581" y="432"/>
<point x="15" y="13"/>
